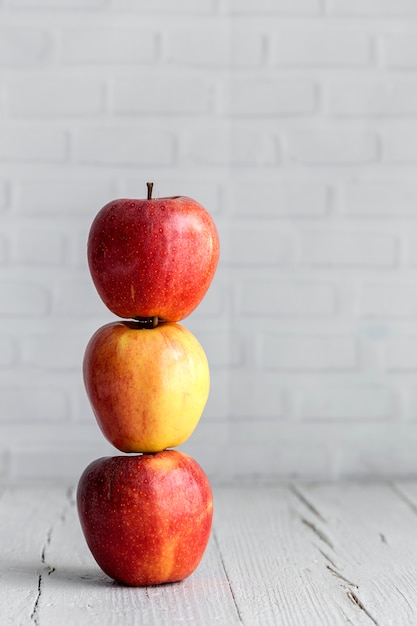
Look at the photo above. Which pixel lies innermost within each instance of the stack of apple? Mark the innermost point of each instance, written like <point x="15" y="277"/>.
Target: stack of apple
<point x="147" y="516"/>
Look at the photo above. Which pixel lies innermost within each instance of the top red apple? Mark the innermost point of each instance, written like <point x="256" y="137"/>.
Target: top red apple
<point x="153" y="257"/>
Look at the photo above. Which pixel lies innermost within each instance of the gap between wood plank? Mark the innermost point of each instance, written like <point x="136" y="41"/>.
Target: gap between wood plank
<point x="403" y="496"/>
<point x="227" y="575"/>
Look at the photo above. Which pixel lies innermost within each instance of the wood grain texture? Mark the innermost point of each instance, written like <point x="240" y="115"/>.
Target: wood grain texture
<point x="27" y="518"/>
<point x="371" y="550"/>
<point x="293" y="555"/>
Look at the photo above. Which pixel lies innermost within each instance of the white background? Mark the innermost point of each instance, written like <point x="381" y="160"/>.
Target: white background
<point x="295" y="123"/>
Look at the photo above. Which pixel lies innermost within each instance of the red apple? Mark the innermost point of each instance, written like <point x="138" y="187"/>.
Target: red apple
<point x="147" y="386"/>
<point x="146" y="518"/>
<point x="153" y="257"/>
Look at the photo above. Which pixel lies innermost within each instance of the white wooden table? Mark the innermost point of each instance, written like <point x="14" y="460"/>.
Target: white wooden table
<point x="293" y="555"/>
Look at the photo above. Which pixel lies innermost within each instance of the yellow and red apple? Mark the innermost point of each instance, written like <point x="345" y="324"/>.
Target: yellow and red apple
<point x="153" y="257"/>
<point x="147" y="386"/>
<point x="146" y="518"/>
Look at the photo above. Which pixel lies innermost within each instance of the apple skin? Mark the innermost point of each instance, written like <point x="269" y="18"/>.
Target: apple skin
<point x="153" y="257"/>
<point x="146" y="518"/>
<point x="147" y="386"/>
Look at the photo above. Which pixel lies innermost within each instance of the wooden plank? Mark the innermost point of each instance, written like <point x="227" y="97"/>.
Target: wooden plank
<point x="26" y="516"/>
<point x="76" y="592"/>
<point x="313" y="554"/>
<point x="407" y="491"/>
<point x="275" y="560"/>
<point x="370" y="547"/>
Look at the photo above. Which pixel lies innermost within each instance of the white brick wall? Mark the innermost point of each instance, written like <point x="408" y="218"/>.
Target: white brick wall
<point x="373" y="98"/>
<point x="326" y="47"/>
<point x="295" y="123"/>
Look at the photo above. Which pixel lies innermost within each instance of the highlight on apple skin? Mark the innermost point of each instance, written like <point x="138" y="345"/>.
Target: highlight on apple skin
<point x="153" y="257"/>
<point x="146" y="518"/>
<point x="147" y="387"/>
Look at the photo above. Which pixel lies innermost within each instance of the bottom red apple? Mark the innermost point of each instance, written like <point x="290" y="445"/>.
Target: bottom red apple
<point x="146" y="518"/>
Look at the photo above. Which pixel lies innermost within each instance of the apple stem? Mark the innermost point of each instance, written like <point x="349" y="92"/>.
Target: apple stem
<point x="150" y="187"/>
<point x="148" y="322"/>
